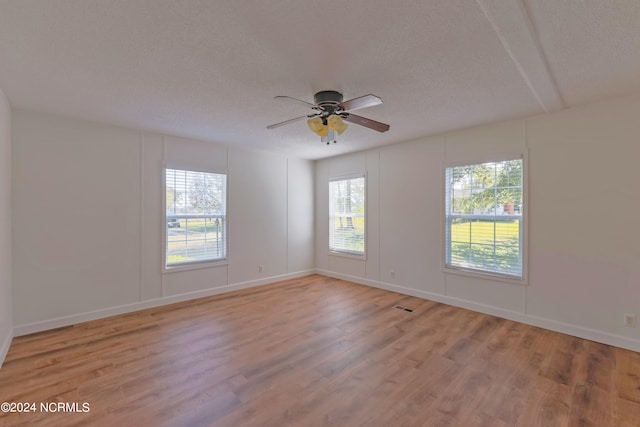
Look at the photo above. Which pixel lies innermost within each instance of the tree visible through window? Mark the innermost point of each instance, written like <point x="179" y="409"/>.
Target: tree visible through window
<point x="195" y="216"/>
<point x="484" y="217"/>
<point x="347" y="215"/>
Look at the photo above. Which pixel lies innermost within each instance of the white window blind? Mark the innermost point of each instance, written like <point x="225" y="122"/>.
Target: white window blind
<point x="347" y="215"/>
<point x="196" y="217"/>
<point x="484" y="206"/>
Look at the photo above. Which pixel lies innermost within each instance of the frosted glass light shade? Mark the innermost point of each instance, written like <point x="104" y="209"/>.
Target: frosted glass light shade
<point x="315" y="124"/>
<point x="335" y="122"/>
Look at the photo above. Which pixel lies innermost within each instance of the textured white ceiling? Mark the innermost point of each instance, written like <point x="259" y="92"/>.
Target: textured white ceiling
<point x="210" y="69"/>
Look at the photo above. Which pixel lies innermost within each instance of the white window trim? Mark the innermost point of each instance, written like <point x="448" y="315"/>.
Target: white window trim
<point x="524" y="240"/>
<point x="354" y="255"/>
<point x="347" y="254"/>
<point x="196" y="265"/>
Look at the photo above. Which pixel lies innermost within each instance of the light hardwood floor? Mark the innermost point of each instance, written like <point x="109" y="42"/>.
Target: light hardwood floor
<point x="319" y="351"/>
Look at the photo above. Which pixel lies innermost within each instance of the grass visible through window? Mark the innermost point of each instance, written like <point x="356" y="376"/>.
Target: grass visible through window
<point x="486" y="245"/>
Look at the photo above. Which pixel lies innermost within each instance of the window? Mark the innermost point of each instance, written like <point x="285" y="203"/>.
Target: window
<point x="196" y="217"/>
<point x="347" y="216"/>
<point x="484" y="227"/>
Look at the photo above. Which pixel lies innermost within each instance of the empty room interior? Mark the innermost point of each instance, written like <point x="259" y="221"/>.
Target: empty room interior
<point x="303" y="213"/>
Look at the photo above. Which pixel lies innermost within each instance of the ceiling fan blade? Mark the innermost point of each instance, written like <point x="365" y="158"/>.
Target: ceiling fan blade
<point x="361" y="102"/>
<point x="369" y="123"/>
<point x="296" y="100"/>
<point x="286" y="122"/>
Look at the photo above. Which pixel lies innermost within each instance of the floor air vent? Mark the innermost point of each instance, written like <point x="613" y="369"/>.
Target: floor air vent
<point x="403" y="308"/>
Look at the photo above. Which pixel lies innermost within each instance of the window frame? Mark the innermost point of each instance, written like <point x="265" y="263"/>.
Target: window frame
<point x="344" y="253"/>
<point x="482" y="274"/>
<point x="193" y="265"/>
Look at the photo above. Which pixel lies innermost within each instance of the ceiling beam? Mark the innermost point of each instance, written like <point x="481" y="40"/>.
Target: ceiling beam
<point x="514" y="28"/>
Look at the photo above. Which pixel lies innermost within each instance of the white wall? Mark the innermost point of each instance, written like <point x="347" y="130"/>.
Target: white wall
<point x="583" y="245"/>
<point x="6" y="321"/>
<point x="88" y="219"/>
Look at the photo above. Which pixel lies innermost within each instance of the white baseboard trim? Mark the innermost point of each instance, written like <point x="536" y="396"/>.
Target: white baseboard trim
<point x="44" y="325"/>
<point x="550" y="324"/>
<point x="4" y="348"/>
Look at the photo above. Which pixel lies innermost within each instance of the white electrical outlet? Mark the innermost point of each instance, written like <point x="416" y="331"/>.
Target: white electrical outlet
<point x="392" y="274"/>
<point x="630" y="320"/>
<point x="259" y="269"/>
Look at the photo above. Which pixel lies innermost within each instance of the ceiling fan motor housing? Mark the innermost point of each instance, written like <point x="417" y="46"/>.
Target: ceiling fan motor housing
<point x="329" y="103"/>
<point x="328" y="98"/>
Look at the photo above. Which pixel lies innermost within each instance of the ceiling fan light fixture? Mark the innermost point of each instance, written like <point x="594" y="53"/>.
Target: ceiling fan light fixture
<point x="315" y="124"/>
<point x="324" y="131"/>
<point x="330" y="113"/>
<point x="335" y="122"/>
<point x="318" y="126"/>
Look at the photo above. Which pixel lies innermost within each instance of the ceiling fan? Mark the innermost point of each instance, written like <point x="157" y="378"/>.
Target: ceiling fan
<point x="330" y="112"/>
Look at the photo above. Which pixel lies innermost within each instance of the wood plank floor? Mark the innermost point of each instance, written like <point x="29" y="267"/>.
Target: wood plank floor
<point x="318" y="351"/>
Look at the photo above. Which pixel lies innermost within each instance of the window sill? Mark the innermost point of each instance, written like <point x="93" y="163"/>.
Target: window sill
<point x="513" y="280"/>
<point x="362" y="257"/>
<point x="194" y="266"/>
